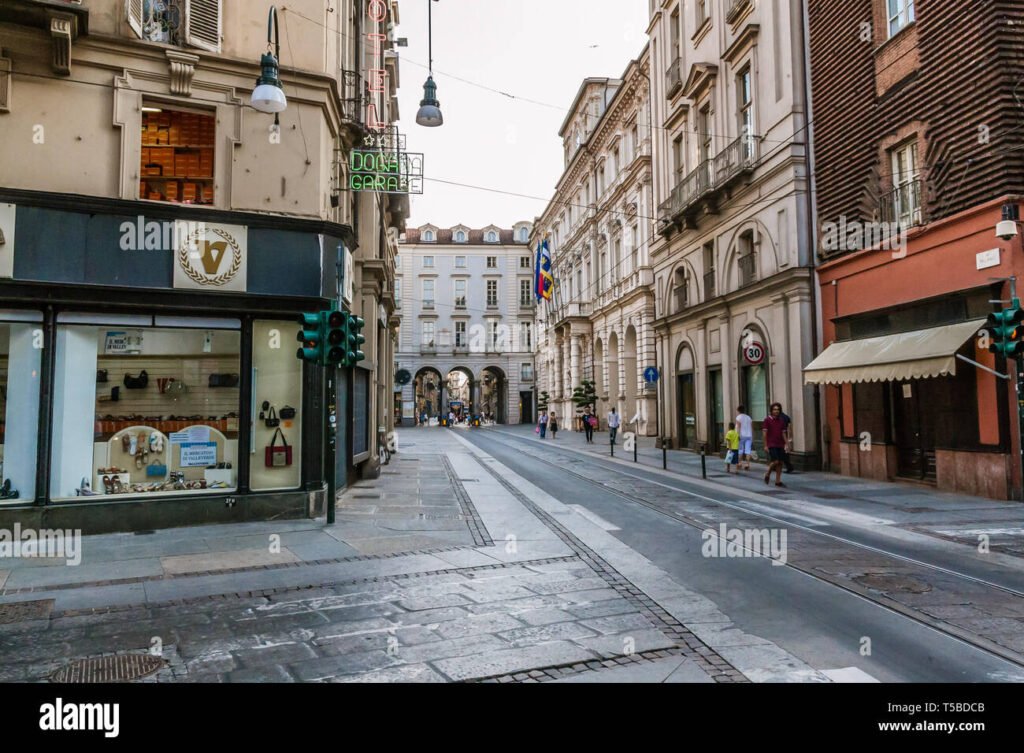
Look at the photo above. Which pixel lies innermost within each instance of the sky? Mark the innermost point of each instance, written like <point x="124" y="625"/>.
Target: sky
<point x="535" y="49"/>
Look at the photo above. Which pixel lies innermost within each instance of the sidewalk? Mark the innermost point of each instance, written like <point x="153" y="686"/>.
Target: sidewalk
<point x="954" y="517"/>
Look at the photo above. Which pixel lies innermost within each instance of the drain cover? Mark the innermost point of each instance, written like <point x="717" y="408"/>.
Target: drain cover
<point x="23" y="611"/>
<point x="124" y="668"/>
<point x="893" y="583"/>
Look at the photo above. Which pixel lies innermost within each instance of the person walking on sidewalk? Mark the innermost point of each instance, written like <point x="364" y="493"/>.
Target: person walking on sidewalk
<point x="732" y="444"/>
<point x="776" y="440"/>
<point x="553" y="425"/>
<point x="543" y="425"/>
<point x="745" y="429"/>
<point x="613" y="424"/>
<point x="589" y="419"/>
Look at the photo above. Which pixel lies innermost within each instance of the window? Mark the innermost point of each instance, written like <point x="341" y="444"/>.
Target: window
<point x="525" y="262"/>
<point x="184" y="23"/>
<point x="745" y="109"/>
<point x="177" y="156"/>
<point x="428" y="334"/>
<point x="460" y="236"/>
<point x="525" y="293"/>
<point x="747" y="259"/>
<point x="428" y="294"/>
<point x="526" y="372"/>
<point x="526" y="336"/>
<point x="906" y="185"/>
<point x="492" y="293"/>
<point x="20" y="362"/>
<point x="901" y="14"/>
<point x="635" y="236"/>
<point x="709" y="271"/>
<point x="615" y="273"/>
<point x="602" y="271"/>
<point x="428" y="262"/>
<point x="460" y="294"/>
<point x="677" y="156"/>
<point x="492" y="237"/>
<point x="460" y="335"/>
<point x="197" y="371"/>
<point x="704" y="134"/>
<point x="681" y="290"/>
<point x="460" y="262"/>
<point x="428" y="236"/>
<point x="280" y="382"/>
<point x="398" y="293"/>
<point x="703" y="12"/>
<point x="492" y="335"/>
<point x="524" y="235"/>
<point x="579" y="284"/>
<point x="492" y="262"/>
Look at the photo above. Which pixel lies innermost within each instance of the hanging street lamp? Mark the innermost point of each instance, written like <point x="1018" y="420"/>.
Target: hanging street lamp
<point x="429" y="114"/>
<point x="268" y="96"/>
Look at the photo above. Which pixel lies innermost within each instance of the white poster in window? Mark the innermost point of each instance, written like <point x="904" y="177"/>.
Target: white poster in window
<point x="198" y="454"/>
<point x="7" y="212"/>
<point x="128" y="343"/>
<point x="191" y="435"/>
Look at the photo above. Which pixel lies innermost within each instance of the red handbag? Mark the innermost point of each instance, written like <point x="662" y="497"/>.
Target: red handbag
<point x="278" y="457"/>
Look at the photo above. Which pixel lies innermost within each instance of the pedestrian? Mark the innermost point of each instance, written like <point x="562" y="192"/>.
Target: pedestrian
<point x="543" y="425"/>
<point x="553" y="425"/>
<point x="776" y="440"/>
<point x="451" y="419"/>
<point x="732" y="444"/>
<point x="613" y="424"/>
<point x="745" y="428"/>
<point x="589" y="420"/>
<point x="789" y="435"/>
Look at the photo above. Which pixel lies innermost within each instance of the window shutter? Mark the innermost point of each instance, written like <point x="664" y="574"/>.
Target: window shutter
<point x="133" y="9"/>
<point x="203" y="24"/>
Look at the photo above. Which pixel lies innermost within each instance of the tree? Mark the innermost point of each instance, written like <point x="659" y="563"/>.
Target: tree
<point x="542" y="403"/>
<point x="585" y="395"/>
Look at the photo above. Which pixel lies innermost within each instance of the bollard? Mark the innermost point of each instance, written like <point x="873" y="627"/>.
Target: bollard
<point x="611" y="440"/>
<point x="664" y="455"/>
<point x="704" y="461"/>
<point x="636" y="442"/>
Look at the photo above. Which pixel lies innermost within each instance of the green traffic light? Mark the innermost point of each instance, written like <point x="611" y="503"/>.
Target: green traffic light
<point x="355" y="340"/>
<point x="1005" y="331"/>
<point x="311" y="336"/>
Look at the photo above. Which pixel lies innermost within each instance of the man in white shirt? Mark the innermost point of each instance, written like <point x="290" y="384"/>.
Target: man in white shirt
<point x="613" y="424"/>
<point x="745" y="426"/>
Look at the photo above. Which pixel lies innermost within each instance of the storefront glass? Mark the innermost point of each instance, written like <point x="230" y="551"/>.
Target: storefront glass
<point x="21" y="348"/>
<point x="277" y="397"/>
<point x="147" y="410"/>
<point x="755" y="398"/>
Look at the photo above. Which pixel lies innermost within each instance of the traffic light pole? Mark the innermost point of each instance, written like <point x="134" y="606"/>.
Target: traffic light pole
<point x="1019" y="365"/>
<point x="330" y="444"/>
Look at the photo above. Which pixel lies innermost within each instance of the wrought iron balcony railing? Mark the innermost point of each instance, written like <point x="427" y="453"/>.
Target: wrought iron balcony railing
<point x="674" y="78"/>
<point x="903" y="205"/>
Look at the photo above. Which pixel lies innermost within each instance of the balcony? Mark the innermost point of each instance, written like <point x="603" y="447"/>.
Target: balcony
<point x="711" y="178"/>
<point x="709" y="285"/>
<point x="737" y="159"/>
<point x="748" y="270"/>
<point x="691" y="188"/>
<point x="428" y="349"/>
<point x="902" y="206"/>
<point x="674" y="78"/>
<point x="428" y="305"/>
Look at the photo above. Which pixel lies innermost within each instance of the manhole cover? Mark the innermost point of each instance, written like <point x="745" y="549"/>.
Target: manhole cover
<point x="892" y="583"/>
<point x="124" y="668"/>
<point x="23" y="611"/>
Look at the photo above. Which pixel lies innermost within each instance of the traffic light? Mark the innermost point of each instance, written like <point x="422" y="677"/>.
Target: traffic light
<point x="355" y="340"/>
<point x="336" y="337"/>
<point x="312" y="338"/>
<point x="1006" y="332"/>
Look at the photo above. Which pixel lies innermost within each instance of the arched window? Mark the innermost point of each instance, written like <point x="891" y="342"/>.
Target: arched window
<point x="428" y="236"/>
<point x="524" y="235"/>
<point x="681" y="290"/>
<point x="460" y="237"/>
<point x="492" y="237"/>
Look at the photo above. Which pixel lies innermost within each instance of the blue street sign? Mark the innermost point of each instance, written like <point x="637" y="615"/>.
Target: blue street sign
<point x="650" y="375"/>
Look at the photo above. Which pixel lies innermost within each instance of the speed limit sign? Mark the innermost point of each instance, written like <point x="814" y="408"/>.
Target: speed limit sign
<point x="754" y="353"/>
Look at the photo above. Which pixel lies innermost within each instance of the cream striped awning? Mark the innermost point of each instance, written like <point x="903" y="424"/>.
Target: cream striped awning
<point x="908" y="355"/>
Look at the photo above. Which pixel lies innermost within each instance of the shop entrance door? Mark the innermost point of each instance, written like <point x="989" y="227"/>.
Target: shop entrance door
<point x="914" y="430"/>
<point x="526" y="411"/>
<point x="686" y="399"/>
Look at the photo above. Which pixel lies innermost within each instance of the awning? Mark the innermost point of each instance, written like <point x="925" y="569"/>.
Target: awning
<point x="908" y="355"/>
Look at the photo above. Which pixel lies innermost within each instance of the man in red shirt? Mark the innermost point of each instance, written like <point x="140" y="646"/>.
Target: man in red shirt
<point x="776" y="440"/>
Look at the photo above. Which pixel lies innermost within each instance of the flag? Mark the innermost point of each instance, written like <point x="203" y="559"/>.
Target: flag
<point x="545" y="280"/>
<point x="538" y="281"/>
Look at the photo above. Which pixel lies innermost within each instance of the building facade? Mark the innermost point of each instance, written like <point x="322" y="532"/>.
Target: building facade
<point x="733" y="260"/>
<point x="159" y="239"/>
<point x="466" y="301"/>
<point x="908" y="200"/>
<point x="599" y="325"/>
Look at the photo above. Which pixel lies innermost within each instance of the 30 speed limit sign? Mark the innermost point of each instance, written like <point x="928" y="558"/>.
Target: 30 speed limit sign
<point x="754" y="353"/>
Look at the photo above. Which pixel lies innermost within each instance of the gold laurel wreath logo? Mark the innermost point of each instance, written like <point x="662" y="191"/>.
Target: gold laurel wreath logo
<point x="219" y="280"/>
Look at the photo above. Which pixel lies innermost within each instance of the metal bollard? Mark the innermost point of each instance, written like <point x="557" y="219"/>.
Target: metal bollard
<point x="704" y="461"/>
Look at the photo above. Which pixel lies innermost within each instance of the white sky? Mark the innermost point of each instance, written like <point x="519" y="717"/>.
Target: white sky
<point x="538" y="49"/>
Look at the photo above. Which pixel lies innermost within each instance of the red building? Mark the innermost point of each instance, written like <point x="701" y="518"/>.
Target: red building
<point x="918" y="146"/>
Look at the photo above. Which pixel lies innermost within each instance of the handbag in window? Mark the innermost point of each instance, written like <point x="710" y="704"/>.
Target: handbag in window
<point x="136" y="383"/>
<point x="272" y="421"/>
<point x="287" y="413"/>
<point x="156" y="469"/>
<point x="102" y="376"/>
<point x="224" y="380"/>
<point x="278" y="456"/>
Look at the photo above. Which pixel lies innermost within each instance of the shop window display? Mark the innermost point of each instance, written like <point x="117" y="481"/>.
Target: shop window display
<point x="177" y="155"/>
<point x="145" y="411"/>
<point x="277" y="419"/>
<point x="20" y="363"/>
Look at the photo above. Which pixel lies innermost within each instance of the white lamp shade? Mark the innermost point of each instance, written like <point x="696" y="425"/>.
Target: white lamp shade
<point x="269" y="98"/>
<point x="429" y="116"/>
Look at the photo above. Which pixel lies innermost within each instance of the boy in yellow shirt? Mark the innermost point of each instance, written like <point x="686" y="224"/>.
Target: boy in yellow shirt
<point x="732" y="442"/>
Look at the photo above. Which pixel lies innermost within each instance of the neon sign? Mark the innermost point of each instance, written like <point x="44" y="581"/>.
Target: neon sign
<point x="386" y="172"/>
<point x="377" y="75"/>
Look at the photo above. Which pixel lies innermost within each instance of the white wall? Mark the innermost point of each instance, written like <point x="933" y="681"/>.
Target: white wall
<point x="22" y="420"/>
<point x="74" y="409"/>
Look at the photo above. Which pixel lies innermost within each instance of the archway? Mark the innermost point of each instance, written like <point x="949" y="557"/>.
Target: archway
<point x="427" y="390"/>
<point x="686" y="399"/>
<point x="494" y="395"/>
<point x="459" y="395"/>
<point x="612" y="360"/>
<point x="599" y="385"/>
<point x="629" y="362"/>
<point x="754" y="377"/>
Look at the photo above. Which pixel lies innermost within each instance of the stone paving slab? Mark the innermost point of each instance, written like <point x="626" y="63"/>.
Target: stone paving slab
<point x="197" y="563"/>
<point x="675" y="669"/>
